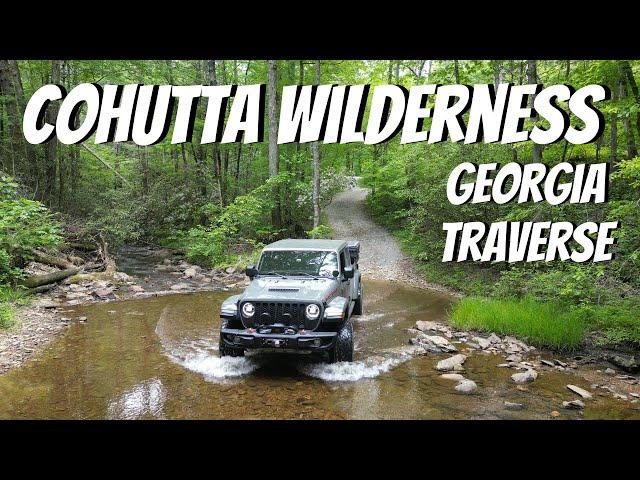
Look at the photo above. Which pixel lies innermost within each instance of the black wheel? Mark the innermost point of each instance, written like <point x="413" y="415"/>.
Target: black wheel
<point x="229" y="351"/>
<point x="343" y="349"/>
<point x="357" y="307"/>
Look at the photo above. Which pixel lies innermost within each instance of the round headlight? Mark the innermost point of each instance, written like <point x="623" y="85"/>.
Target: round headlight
<point x="248" y="309"/>
<point x="313" y="311"/>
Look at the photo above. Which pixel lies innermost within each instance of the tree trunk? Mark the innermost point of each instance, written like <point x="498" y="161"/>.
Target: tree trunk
<point x="456" y="71"/>
<point x="11" y="86"/>
<point x="532" y="78"/>
<point x="632" y="150"/>
<point x="613" y="155"/>
<point x="273" y="134"/>
<point x="315" y="148"/>
<point x="626" y="68"/>
<point x="51" y="148"/>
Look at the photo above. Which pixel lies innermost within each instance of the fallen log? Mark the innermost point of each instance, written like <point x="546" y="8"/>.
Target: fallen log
<point x="54" y="277"/>
<point x="42" y="288"/>
<point x="51" y="260"/>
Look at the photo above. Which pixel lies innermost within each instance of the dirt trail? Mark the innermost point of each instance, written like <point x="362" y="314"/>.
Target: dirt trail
<point x="380" y="254"/>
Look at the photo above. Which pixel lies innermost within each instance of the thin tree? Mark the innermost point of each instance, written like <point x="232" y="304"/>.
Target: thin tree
<point x="315" y="149"/>
<point x="273" y="134"/>
<point x="532" y="78"/>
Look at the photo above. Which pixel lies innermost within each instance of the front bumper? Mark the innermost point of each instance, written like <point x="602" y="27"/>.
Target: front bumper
<point x="310" y="341"/>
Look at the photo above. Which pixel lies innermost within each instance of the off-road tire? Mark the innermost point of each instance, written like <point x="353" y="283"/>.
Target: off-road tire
<point x="357" y="307"/>
<point x="342" y="351"/>
<point x="229" y="351"/>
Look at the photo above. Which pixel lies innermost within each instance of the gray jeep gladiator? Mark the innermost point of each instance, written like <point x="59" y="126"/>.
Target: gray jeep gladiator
<point x="301" y="298"/>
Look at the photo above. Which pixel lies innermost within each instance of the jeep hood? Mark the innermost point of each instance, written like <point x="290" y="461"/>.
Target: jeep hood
<point x="294" y="289"/>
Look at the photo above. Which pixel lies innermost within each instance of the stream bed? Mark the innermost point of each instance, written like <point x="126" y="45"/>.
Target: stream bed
<point x="157" y="357"/>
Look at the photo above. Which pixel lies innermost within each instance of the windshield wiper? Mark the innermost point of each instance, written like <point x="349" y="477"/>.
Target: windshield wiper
<point x="273" y="273"/>
<point x="307" y="274"/>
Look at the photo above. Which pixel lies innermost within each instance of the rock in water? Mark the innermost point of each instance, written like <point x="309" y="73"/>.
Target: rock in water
<point x="452" y="376"/>
<point x="574" y="405"/>
<point x="179" y="286"/>
<point x="434" y="343"/>
<point x="525" y="377"/>
<point x="451" y="363"/>
<point x="483" y="343"/>
<point x="467" y="387"/>
<point x="513" y="406"/>
<point x="424" y="325"/>
<point x="580" y="391"/>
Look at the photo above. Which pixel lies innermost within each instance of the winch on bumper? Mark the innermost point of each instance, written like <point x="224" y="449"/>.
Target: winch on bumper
<point x="278" y="337"/>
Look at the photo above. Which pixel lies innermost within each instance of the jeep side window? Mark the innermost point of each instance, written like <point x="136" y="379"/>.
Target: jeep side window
<point x="342" y="262"/>
<point x="329" y="265"/>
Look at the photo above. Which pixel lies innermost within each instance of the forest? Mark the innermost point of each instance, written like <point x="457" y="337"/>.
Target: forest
<point x="219" y="202"/>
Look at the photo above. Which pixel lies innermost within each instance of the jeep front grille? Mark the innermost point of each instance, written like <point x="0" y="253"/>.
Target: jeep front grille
<point x="287" y="313"/>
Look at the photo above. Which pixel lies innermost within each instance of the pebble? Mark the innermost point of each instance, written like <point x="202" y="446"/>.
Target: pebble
<point x="452" y="376"/>
<point x="513" y="406"/>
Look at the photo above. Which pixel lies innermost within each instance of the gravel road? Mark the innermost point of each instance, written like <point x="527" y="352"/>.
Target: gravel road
<point x="380" y="254"/>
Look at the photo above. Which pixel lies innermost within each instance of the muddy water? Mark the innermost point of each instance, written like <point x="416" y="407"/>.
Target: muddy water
<point x="157" y="358"/>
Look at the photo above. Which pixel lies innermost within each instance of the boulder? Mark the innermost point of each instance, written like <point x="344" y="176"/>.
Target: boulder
<point x="493" y="338"/>
<point x="230" y="270"/>
<point x="525" y="377"/>
<point x="179" y="286"/>
<point x="467" y="387"/>
<point x="452" y="376"/>
<point x="451" y="363"/>
<point x="190" y="272"/>
<point x="626" y="362"/>
<point x="483" y="343"/>
<point x="513" y="406"/>
<point x="580" y="391"/>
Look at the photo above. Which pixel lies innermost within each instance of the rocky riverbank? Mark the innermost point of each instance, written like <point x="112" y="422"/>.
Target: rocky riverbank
<point x="526" y="361"/>
<point x="47" y="316"/>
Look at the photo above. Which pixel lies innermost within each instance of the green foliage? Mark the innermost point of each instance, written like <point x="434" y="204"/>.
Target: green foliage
<point x="616" y="324"/>
<point x="6" y="315"/>
<point x="321" y="231"/>
<point x="547" y="324"/>
<point x="7" y="271"/>
<point x="25" y="225"/>
<point x="117" y="217"/>
<point x="8" y="187"/>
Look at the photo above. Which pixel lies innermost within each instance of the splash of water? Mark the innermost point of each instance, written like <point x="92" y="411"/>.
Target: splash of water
<point x="352" y="371"/>
<point x="214" y="368"/>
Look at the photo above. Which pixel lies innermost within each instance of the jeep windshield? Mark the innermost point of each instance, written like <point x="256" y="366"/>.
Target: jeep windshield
<point x="298" y="262"/>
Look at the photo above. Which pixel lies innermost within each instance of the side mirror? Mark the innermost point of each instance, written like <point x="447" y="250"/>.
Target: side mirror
<point x="251" y="271"/>
<point x="335" y="273"/>
<point x="348" y="272"/>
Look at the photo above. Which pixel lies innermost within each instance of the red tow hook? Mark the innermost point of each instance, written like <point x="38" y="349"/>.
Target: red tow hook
<point x="249" y="330"/>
